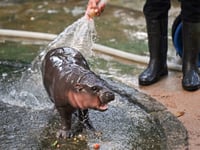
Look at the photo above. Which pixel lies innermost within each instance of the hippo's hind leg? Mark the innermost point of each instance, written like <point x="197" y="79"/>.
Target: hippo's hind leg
<point x="84" y="119"/>
<point x="65" y="131"/>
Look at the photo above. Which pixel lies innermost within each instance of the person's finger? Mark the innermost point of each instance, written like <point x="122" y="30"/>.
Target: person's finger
<point x="94" y="9"/>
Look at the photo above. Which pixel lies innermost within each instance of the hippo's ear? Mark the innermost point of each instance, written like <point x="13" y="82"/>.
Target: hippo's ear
<point x="78" y="87"/>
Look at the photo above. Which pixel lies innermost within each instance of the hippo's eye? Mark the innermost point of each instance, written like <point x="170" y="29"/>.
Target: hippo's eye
<point x="95" y="88"/>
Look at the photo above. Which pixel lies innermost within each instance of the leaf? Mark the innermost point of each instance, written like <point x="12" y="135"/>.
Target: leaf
<point x="179" y="113"/>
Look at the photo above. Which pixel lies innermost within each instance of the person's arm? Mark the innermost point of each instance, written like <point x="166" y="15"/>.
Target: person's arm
<point x="94" y="8"/>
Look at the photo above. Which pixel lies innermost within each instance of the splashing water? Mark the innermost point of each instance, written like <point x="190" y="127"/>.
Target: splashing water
<point x="29" y="91"/>
<point x="79" y="35"/>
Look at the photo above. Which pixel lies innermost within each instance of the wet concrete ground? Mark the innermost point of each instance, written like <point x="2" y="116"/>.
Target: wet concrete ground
<point x="181" y="103"/>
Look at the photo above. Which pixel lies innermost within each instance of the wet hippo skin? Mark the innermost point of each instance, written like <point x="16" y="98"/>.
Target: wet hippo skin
<point x="72" y="86"/>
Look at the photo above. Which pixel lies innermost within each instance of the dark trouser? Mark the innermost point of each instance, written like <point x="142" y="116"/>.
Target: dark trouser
<point x="158" y="9"/>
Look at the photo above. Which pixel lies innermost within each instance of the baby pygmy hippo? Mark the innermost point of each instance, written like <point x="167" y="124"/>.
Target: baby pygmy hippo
<point x="71" y="85"/>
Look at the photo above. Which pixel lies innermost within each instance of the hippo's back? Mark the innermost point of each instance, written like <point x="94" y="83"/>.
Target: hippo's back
<point x="66" y="56"/>
<point x="60" y="68"/>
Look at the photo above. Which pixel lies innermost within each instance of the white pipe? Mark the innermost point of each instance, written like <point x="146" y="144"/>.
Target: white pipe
<point x="27" y="34"/>
<point x="130" y="56"/>
<point x="96" y="47"/>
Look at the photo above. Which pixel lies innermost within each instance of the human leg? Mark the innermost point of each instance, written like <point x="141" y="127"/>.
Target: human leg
<point x="191" y="44"/>
<point x="156" y="15"/>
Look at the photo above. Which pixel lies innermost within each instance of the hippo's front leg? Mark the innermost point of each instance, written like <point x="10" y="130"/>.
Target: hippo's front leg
<point x="85" y="120"/>
<point x="66" y="115"/>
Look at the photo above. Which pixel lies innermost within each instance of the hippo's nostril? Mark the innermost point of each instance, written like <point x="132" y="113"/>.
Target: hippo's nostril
<point x="110" y="96"/>
<point x="106" y="97"/>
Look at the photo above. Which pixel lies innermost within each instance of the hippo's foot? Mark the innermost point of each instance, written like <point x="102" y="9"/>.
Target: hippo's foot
<point x="87" y="124"/>
<point x="85" y="120"/>
<point x="64" y="134"/>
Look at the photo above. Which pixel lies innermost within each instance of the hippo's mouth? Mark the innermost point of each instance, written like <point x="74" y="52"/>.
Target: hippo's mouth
<point x="103" y="107"/>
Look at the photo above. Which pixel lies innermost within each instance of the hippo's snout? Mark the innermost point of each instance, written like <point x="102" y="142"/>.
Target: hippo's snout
<point x="109" y="96"/>
<point x="106" y="97"/>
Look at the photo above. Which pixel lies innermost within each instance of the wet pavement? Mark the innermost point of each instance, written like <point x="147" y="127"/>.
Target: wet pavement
<point x="183" y="104"/>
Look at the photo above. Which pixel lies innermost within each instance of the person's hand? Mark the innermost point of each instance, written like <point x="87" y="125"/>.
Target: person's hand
<point x="94" y="8"/>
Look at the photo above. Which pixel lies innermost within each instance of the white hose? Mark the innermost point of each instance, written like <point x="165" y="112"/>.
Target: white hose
<point x="97" y="47"/>
<point x="27" y="34"/>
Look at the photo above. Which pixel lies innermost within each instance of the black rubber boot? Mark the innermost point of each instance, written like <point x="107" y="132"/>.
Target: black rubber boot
<point x="191" y="49"/>
<point x="157" y="41"/>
